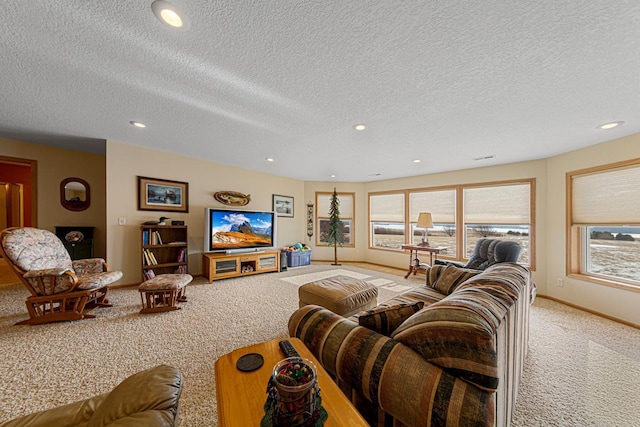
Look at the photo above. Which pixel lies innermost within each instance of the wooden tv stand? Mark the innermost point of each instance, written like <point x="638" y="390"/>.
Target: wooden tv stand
<point x="221" y="266"/>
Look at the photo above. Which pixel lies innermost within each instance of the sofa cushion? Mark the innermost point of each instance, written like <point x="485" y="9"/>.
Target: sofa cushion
<point x="385" y="319"/>
<point x="452" y="277"/>
<point x="458" y="333"/>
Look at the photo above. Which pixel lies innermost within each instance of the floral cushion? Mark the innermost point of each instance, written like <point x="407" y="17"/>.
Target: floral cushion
<point x="166" y="281"/>
<point x="88" y="266"/>
<point x="93" y="281"/>
<point x="35" y="249"/>
<point x="385" y="319"/>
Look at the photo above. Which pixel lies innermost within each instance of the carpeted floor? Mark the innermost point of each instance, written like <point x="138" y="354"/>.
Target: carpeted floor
<point x="581" y="371"/>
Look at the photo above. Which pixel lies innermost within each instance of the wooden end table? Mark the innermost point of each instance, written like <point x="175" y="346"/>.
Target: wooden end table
<point x="414" y="261"/>
<point x="241" y="395"/>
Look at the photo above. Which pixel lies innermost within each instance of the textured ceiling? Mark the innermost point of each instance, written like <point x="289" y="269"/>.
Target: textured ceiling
<point x="440" y="81"/>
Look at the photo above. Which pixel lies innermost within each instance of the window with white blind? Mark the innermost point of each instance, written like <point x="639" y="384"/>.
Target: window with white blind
<point x="461" y="214"/>
<point x="441" y="204"/>
<point x="604" y="229"/>
<point x="500" y="210"/>
<point x="346" y="210"/>
<point x="387" y="220"/>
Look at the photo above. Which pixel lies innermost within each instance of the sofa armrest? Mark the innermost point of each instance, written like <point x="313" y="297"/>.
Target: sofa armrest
<point x="443" y="262"/>
<point x="388" y="373"/>
<point x="70" y="415"/>
<point x="89" y="266"/>
<point x="51" y="281"/>
<point x="46" y="272"/>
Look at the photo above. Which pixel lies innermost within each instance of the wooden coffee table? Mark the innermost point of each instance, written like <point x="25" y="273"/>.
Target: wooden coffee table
<point x="241" y="395"/>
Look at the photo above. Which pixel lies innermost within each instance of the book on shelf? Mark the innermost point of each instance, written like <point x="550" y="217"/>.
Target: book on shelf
<point x="149" y="274"/>
<point x="149" y="257"/>
<point x="151" y="237"/>
<point x="182" y="269"/>
<point x="182" y="255"/>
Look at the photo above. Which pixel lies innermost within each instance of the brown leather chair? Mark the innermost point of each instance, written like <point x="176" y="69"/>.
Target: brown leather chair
<point x="147" y="399"/>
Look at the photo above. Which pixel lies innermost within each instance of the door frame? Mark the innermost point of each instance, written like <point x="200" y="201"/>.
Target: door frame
<point x="33" y="167"/>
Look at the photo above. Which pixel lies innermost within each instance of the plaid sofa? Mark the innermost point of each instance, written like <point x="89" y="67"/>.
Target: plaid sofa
<point x="456" y="362"/>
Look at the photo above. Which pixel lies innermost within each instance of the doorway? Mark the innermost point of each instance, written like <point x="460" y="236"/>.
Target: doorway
<point x="18" y="200"/>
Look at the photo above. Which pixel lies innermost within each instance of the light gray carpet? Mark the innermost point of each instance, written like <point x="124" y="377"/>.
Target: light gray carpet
<point x="581" y="371"/>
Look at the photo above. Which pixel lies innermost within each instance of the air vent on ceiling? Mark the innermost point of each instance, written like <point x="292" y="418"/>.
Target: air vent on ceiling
<point x="484" y="157"/>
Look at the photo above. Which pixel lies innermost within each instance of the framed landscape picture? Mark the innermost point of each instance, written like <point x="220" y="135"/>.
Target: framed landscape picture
<point x="283" y="205"/>
<point x="162" y="195"/>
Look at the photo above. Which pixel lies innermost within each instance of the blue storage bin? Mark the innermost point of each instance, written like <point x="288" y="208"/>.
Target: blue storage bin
<point x="298" y="258"/>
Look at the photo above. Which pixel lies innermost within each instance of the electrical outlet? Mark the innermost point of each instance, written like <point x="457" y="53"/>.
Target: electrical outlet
<point x="122" y="221"/>
<point x="560" y="282"/>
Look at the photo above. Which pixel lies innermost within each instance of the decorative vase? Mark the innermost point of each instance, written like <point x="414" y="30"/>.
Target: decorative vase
<point x="295" y="380"/>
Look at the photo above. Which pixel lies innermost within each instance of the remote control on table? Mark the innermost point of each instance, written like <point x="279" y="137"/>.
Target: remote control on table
<point x="287" y="349"/>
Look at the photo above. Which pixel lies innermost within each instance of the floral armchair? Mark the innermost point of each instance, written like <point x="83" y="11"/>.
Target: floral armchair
<point x="61" y="289"/>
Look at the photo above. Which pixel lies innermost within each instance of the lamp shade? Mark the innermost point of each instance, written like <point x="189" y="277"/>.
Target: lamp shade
<point x="425" y="220"/>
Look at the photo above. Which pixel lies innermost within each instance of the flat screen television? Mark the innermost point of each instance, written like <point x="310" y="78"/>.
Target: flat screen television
<point x="236" y="230"/>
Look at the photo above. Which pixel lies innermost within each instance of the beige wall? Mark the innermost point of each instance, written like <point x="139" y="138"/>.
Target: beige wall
<point x="54" y="165"/>
<point x="126" y="162"/>
<point x="324" y="253"/>
<point x="619" y="303"/>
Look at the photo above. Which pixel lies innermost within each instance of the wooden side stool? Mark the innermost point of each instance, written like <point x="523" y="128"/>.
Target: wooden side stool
<point x="163" y="292"/>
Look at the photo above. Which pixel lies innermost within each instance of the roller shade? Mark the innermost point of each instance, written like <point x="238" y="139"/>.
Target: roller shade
<point x="501" y="204"/>
<point x="387" y="208"/>
<point x="606" y="198"/>
<point x="441" y="204"/>
<point x="345" y="207"/>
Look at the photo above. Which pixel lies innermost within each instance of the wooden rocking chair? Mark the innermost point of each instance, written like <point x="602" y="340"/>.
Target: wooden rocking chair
<point x="61" y="289"/>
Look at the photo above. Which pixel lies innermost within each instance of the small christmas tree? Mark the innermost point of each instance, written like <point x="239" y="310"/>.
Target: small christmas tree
<point x="335" y="236"/>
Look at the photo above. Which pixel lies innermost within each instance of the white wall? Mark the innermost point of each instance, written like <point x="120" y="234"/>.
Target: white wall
<point x="126" y="162"/>
<point x="619" y="303"/>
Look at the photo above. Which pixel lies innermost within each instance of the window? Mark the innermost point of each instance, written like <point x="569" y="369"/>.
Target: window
<point x="347" y="212"/>
<point x="604" y="223"/>
<point x="442" y="206"/>
<point x="461" y="215"/>
<point x="386" y="220"/>
<point x="498" y="211"/>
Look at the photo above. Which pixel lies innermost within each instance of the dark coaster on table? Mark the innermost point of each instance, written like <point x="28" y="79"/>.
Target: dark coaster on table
<point x="250" y="362"/>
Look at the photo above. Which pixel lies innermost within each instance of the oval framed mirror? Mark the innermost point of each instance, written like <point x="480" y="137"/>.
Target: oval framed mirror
<point x="75" y="194"/>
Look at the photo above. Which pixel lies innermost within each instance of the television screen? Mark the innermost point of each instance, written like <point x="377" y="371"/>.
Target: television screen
<point x="229" y="229"/>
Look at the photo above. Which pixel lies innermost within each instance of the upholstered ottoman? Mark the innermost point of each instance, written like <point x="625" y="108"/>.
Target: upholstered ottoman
<point x="163" y="292"/>
<point x="343" y="295"/>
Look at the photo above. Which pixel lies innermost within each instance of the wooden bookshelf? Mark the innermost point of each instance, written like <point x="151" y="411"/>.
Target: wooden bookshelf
<point x="164" y="250"/>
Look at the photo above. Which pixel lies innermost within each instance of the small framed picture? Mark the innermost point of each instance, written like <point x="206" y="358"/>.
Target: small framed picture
<point x="162" y="195"/>
<point x="283" y="205"/>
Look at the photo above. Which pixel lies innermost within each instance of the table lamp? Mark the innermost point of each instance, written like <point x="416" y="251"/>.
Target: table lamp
<point x="425" y="221"/>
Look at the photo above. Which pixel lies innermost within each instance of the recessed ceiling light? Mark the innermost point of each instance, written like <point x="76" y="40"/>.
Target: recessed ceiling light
<point x="417" y="161"/>
<point x="170" y="14"/>
<point x="359" y="126"/>
<point x="138" y="124"/>
<point x="269" y="159"/>
<point x="610" y="125"/>
<point x="333" y="176"/>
